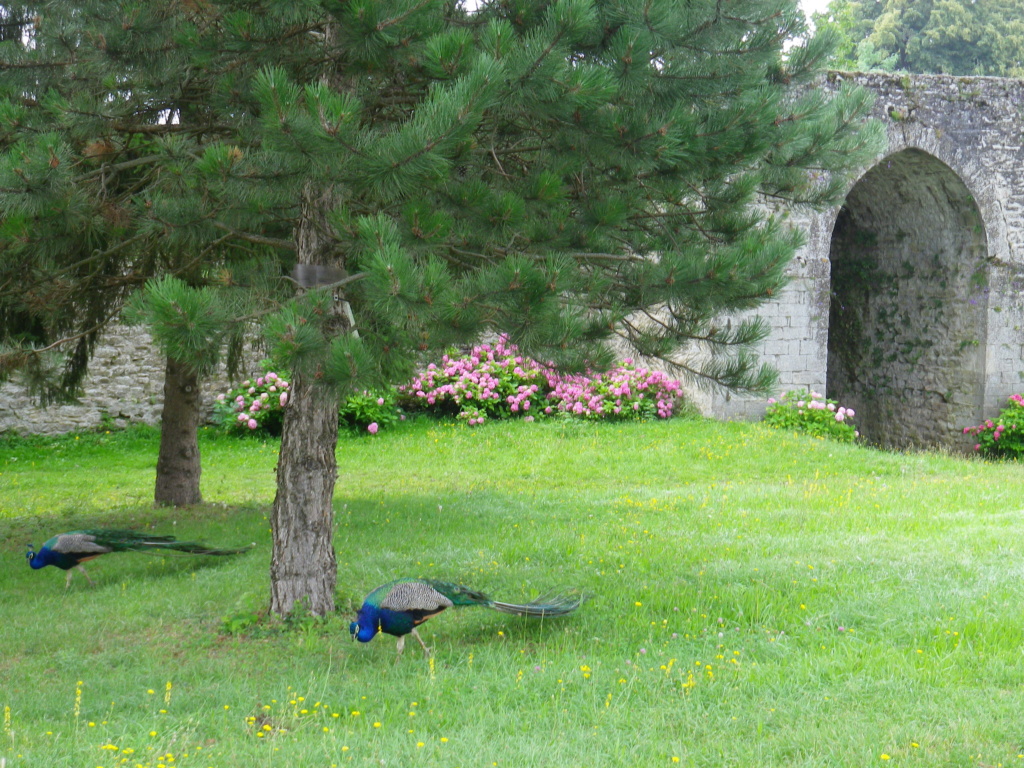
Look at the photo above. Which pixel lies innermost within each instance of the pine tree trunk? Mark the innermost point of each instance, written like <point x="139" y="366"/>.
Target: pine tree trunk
<point x="303" y="566"/>
<point x="178" y="466"/>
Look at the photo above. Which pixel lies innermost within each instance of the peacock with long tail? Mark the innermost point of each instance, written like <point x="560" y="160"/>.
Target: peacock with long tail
<point x="69" y="550"/>
<point x="398" y="607"/>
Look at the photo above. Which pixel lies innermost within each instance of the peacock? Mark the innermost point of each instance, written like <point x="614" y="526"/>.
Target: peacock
<point x="69" y="550"/>
<point x="398" y="607"/>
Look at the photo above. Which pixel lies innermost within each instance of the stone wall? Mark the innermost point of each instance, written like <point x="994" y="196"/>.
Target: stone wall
<point x="906" y="301"/>
<point x="124" y="385"/>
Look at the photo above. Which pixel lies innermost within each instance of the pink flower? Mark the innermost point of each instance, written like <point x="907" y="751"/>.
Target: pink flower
<point x="253" y="424"/>
<point x="284" y="399"/>
<point x="372" y="429"/>
<point x="380" y="401"/>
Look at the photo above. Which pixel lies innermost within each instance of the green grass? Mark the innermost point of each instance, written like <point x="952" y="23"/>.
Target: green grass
<point x="760" y="599"/>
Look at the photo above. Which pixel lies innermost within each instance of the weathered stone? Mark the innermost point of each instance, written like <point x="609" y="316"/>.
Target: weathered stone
<point x="908" y="298"/>
<point x="124" y="386"/>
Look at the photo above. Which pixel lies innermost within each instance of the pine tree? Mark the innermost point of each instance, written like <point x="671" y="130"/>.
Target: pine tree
<point x="77" y="238"/>
<point x="562" y="172"/>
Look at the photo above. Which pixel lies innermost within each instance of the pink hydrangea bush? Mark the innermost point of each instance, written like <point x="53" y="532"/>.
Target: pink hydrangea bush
<point x="806" y="411"/>
<point x="626" y="391"/>
<point x="495" y="381"/>
<point x="256" y="406"/>
<point x="1002" y="437"/>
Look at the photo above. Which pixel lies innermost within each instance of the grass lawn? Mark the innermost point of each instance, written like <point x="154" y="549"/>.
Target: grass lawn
<point x="760" y="599"/>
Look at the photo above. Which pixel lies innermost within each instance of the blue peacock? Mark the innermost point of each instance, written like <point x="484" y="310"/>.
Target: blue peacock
<point x="398" y="607"/>
<point x="69" y="550"/>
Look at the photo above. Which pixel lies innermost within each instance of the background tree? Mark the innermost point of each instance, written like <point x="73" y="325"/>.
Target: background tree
<point x="88" y="142"/>
<point x="58" y="296"/>
<point x="192" y="326"/>
<point x="563" y="172"/>
<point x="955" y="37"/>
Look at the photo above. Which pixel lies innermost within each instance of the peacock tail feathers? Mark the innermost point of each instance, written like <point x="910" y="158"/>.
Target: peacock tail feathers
<point x="104" y="540"/>
<point x="550" y="604"/>
<point x="435" y="595"/>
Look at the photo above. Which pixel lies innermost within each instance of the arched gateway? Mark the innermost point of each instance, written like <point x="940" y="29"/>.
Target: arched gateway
<point x="907" y="302"/>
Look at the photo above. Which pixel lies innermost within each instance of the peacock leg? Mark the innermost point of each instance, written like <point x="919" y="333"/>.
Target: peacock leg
<point x="401" y="647"/>
<point x="417" y="636"/>
<point x="82" y="569"/>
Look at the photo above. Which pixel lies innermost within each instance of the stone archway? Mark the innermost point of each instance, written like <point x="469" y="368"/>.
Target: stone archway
<point x="907" y="329"/>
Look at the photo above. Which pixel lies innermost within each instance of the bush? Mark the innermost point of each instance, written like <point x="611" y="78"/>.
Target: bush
<point x="497" y="382"/>
<point x="810" y="412"/>
<point x="257" y="405"/>
<point x="623" y="392"/>
<point x="1004" y="437"/>
<point x="489" y="382"/>
<point x="370" y="411"/>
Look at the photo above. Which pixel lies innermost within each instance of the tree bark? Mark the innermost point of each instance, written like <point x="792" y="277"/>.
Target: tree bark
<point x="178" y="466"/>
<point x="303" y="566"/>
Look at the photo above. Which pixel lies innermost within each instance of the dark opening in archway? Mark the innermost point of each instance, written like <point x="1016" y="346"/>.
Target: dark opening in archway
<point x="907" y="318"/>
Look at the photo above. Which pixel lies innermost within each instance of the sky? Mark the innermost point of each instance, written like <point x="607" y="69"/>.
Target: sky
<point x="813" y="6"/>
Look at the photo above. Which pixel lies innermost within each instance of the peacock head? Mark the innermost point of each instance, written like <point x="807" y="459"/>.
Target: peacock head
<point x="364" y="628"/>
<point x="31" y="557"/>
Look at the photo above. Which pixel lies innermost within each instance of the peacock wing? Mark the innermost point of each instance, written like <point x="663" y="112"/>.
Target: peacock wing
<point x="414" y="596"/>
<point x="77" y="543"/>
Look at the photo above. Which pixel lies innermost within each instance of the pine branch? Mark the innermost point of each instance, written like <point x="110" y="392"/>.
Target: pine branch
<point x="287" y="245"/>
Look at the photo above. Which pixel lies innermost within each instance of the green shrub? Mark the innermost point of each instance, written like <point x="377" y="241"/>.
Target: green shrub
<point x="810" y="412"/>
<point x="371" y="410"/>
